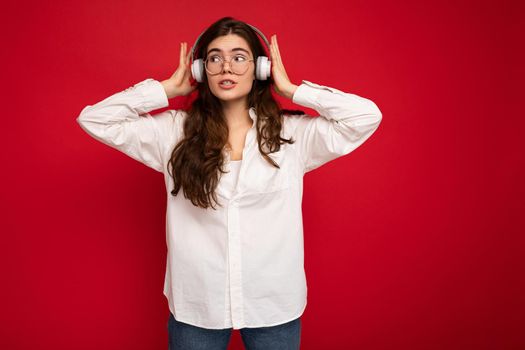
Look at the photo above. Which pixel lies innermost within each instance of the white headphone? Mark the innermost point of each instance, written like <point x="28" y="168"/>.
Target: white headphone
<point x="262" y="67"/>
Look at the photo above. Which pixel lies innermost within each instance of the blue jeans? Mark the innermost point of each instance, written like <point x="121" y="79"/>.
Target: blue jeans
<point x="183" y="336"/>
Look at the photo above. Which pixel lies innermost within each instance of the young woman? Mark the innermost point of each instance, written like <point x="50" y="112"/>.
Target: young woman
<point x="233" y="167"/>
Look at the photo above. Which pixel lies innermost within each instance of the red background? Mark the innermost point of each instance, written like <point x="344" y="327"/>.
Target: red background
<point x="413" y="241"/>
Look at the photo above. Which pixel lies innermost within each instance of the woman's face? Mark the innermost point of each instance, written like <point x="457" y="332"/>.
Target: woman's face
<point x="231" y="47"/>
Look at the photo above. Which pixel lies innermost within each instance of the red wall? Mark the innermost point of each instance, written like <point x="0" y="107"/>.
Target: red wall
<point x="413" y="241"/>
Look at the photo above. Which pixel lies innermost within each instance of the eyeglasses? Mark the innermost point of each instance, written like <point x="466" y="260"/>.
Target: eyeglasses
<point x="238" y="64"/>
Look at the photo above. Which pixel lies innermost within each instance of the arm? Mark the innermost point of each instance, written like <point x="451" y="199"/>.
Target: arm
<point x="122" y="121"/>
<point x="345" y="122"/>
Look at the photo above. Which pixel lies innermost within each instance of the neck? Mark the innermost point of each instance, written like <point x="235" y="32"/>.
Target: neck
<point x="236" y="114"/>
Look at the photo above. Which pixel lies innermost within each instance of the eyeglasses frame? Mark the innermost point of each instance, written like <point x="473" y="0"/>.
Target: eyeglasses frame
<point x="222" y="65"/>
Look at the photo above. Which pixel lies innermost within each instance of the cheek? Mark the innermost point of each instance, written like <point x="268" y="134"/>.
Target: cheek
<point x="249" y="78"/>
<point x="246" y="85"/>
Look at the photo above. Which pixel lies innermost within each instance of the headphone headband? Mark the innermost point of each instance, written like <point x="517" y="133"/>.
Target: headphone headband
<point x="255" y="29"/>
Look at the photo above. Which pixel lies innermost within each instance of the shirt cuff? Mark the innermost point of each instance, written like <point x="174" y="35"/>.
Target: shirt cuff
<point x="153" y="94"/>
<point x="307" y="94"/>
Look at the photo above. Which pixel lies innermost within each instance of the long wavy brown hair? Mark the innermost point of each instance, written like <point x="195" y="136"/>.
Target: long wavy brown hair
<point x="198" y="159"/>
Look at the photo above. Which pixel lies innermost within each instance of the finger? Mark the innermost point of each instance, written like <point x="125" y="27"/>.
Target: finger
<point x="276" y="57"/>
<point x="188" y="57"/>
<point x="278" y="52"/>
<point x="181" y="54"/>
<point x="184" y="53"/>
<point x="187" y="76"/>
<point x="272" y="49"/>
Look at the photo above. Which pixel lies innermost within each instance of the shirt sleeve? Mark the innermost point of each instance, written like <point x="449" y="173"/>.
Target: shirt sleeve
<point x="122" y="121"/>
<point x="345" y="122"/>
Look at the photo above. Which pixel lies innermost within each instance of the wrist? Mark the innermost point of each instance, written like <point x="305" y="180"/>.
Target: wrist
<point x="167" y="89"/>
<point x="292" y="90"/>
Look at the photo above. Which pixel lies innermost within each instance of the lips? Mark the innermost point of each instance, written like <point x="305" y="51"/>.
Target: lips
<point x="230" y="80"/>
<point x="227" y="86"/>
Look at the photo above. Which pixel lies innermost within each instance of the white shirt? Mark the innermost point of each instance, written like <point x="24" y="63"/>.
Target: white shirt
<point x="230" y="179"/>
<point x="242" y="264"/>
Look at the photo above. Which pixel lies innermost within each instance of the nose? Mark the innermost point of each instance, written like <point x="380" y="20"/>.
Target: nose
<point x="224" y="66"/>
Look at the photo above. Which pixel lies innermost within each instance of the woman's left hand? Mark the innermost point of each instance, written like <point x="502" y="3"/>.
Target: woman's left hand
<point x="282" y="85"/>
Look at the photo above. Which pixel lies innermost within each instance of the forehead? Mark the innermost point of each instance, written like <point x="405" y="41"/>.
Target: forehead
<point x="230" y="43"/>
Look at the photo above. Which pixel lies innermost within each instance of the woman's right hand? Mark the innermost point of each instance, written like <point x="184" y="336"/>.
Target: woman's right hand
<point x="180" y="83"/>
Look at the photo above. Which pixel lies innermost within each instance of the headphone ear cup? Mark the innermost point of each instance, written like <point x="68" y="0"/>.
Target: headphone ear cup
<point x="197" y="70"/>
<point x="263" y="68"/>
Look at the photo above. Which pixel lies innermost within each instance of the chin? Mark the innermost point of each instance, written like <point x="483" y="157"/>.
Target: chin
<point x="236" y="93"/>
<point x="224" y="98"/>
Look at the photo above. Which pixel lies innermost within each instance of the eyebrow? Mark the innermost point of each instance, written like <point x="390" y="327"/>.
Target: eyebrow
<point x="235" y="49"/>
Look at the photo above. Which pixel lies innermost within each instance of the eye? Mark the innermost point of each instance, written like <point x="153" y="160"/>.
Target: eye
<point x="240" y="58"/>
<point x="214" y="58"/>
